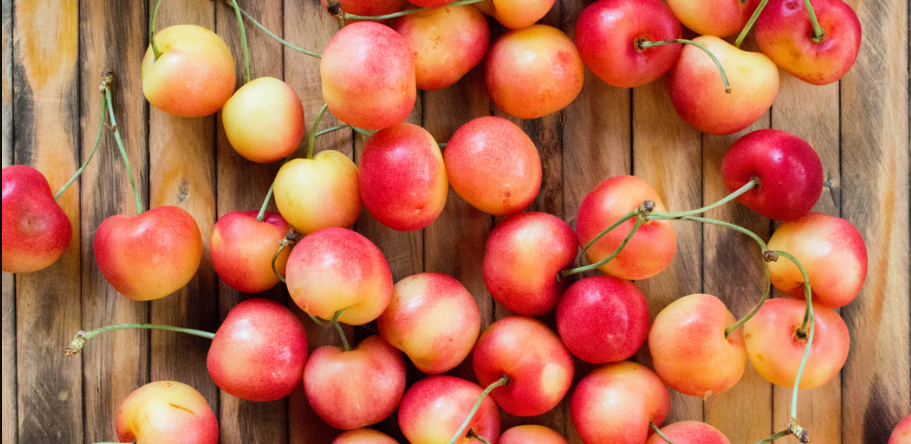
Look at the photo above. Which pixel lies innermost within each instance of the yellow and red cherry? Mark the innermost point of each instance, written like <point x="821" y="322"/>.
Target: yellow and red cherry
<point x="264" y="120"/>
<point x="36" y="231"/>
<point x="242" y="249"/>
<point x="166" y="412"/>
<point x="317" y="193"/>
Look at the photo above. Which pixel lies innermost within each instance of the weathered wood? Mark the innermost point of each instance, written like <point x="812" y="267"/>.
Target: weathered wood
<point x="114" y="364"/>
<point x="242" y="186"/>
<point x="876" y="385"/>
<point x="9" y="392"/>
<point x="46" y="136"/>
<point x="182" y="173"/>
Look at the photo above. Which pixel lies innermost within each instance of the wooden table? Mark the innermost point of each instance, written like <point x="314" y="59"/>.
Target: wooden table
<point x="54" y="51"/>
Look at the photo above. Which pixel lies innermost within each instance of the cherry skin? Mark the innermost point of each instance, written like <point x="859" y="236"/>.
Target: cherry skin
<point x="151" y="255"/>
<point x="356" y="388"/>
<point x="435" y="407"/>
<point x="831" y="250"/>
<point x="36" y="231"/>
<point x="242" y="250"/>
<point x="689" y="350"/>
<point x="264" y="120"/>
<point x="523" y="256"/>
<point x="402" y="177"/>
<point x="531" y="434"/>
<point x="364" y="436"/>
<point x="433" y="319"/>
<point x="603" y="319"/>
<point x="785" y="34"/>
<point x="194" y="76"/>
<point x="902" y="432"/>
<point x="370" y="7"/>
<point x="789" y="172"/>
<point x="166" y="412"/>
<point x="607" y="35"/>
<point x="649" y="251"/>
<point x="323" y="192"/>
<point x="539" y="368"/>
<point x="259" y="351"/>
<point x="720" y="18"/>
<point x="368" y="76"/>
<point x="516" y="14"/>
<point x="775" y="350"/>
<point x="493" y="165"/>
<point x="337" y="269"/>
<point x="689" y="432"/>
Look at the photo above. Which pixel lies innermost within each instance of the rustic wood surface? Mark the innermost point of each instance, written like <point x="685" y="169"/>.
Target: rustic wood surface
<point x="53" y="54"/>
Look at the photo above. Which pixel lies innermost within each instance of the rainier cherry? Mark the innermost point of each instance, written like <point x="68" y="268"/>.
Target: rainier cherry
<point x="317" y="193"/>
<point x="516" y="14"/>
<point x="264" y="120"/>
<point x="36" y="231"/>
<point x="166" y="412"/>
<point x="531" y="434"/>
<point x="690" y="432"/>
<point x="434" y="408"/>
<point x="720" y="18"/>
<point x="364" y="436"/>
<point x="242" y="250"/>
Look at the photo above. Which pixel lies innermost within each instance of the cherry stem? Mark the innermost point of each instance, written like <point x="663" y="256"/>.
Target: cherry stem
<point x="81" y="337"/>
<point x="754" y="310"/>
<point x="104" y="110"/>
<point x="753" y="183"/>
<point x="123" y="152"/>
<point x="290" y="238"/>
<point x="659" y="432"/>
<point x="262" y="209"/>
<point x="243" y="40"/>
<point x="778" y="435"/>
<point x="362" y="131"/>
<point x="705" y="220"/>
<point x="156" y="53"/>
<point x="341" y="332"/>
<point x="750" y="23"/>
<point x="474" y="435"/>
<point x="642" y="44"/>
<point x="346" y="16"/>
<point x="477" y="405"/>
<point x="639" y="219"/>
<point x="809" y="322"/>
<point x="272" y="34"/>
<point x="603" y="233"/>
<point x="331" y="130"/>
<point x="818" y="33"/>
<point x="318" y="321"/>
<point x="313" y="131"/>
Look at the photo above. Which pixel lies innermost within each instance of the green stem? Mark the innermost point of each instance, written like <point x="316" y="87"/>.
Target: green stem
<point x="603" y="233"/>
<point x="347" y="16"/>
<point x="277" y="38"/>
<point x="123" y="151"/>
<point x="740" y="191"/>
<point x="318" y="321"/>
<point x="642" y="44"/>
<point x="705" y="220"/>
<point x="81" y="337"/>
<point x="281" y="247"/>
<point x="765" y="297"/>
<point x="362" y="131"/>
<point x="749" y="25"/>
<point x="341" y="332"/>
<point x="262" y="210"/>
<point x="778" y="435"/>
<point x="104" y="110"/>
<point x="477" y="405"/>
<point x="474" y="435"/>
<point x="312" y="141"/>
<point x="243" y="40"/>
<point x="155" y="52"/>
<point x="818" y="33"/>
<point x="331" y="130"/>
<point x="442" y="144"/>
<point x="809" y="323"/>
<point x="659" y="432"/>
<point x="596" y="265"/>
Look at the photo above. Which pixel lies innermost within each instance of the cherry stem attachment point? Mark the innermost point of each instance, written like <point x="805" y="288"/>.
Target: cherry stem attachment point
<point x="243" y="40"/>
<point x="156" y="53"/>
<point x="341" y="332"/>
<point x="659" y="432"/>
<point x="313" y="131"/>
<point x="474" y="435"/>
<point x="104" y="110"/>
<point x="362" y="131"/>
<point x="641" y="214"/>
<point x="345" y="16"/>
<point x="642" y="44"/>
<point x="753" y="183"/>
<point x="273" y="35"/>
<point x="750" y="23"/>
<point x="290" y="238"/>
<point x="477" y="405"/>
<point x="819" y="34"/>
<point x="123" y="152"/>
<point x="81" y="337"/>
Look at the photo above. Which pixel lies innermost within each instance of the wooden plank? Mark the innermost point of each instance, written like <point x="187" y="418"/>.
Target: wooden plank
<point x="744" y="412"/>
<point x="9" y="393"/>
<point x="182" y="173"/>
<point x="874" y="139"/>
<point x="669" y="157"/>
<point x="114" y="364"/>
<point x="811" y="112"/>
<point x="242" y="185"/>
<point x="46" y="136"/>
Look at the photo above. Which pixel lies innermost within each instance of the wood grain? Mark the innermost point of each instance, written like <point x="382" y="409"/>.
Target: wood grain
<point x="113" y="36"/>
<point x="182" y="173"/>
<point x="9" y="392"/>
<point x="876" y="385"/>
<point x="46" y="136"/>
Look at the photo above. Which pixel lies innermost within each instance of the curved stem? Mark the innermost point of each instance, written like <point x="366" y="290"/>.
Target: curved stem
<point x="818" y="33"/>
<point x="341" y="332"/>
<point x="474" y="435"/>
<point x="243" y="40"/>
<point x="659" y="432"/>
<point x="347" y="16"/>
<point x="312" y="141"/>
<point x="82" y="336"/>
<point x="104" y="110"/>
<point x="331" y="130"/>
<point x="642" y="44"/>
<point x="318" y="321"/>
<point x="123" y="152"/>
<point x="603" y="233"/>
<point x="274" y="36"/>
<point x="152" y="16"/>
<point x="750" y="23"/>
<point x="778" y="435"/>
<point x="639" y="219"/>
<point x="474" y="409"/>
<point x="705" y="220"/>
<point x="754" y="310"/>
<point x="740" y="191"/>
<point x="809" y="323"/>
<point x="281" y="247"/>
<point x="362" y="131"/>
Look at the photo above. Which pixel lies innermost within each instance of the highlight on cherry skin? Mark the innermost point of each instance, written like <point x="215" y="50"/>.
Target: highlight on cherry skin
<point x="36" y="230"/>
